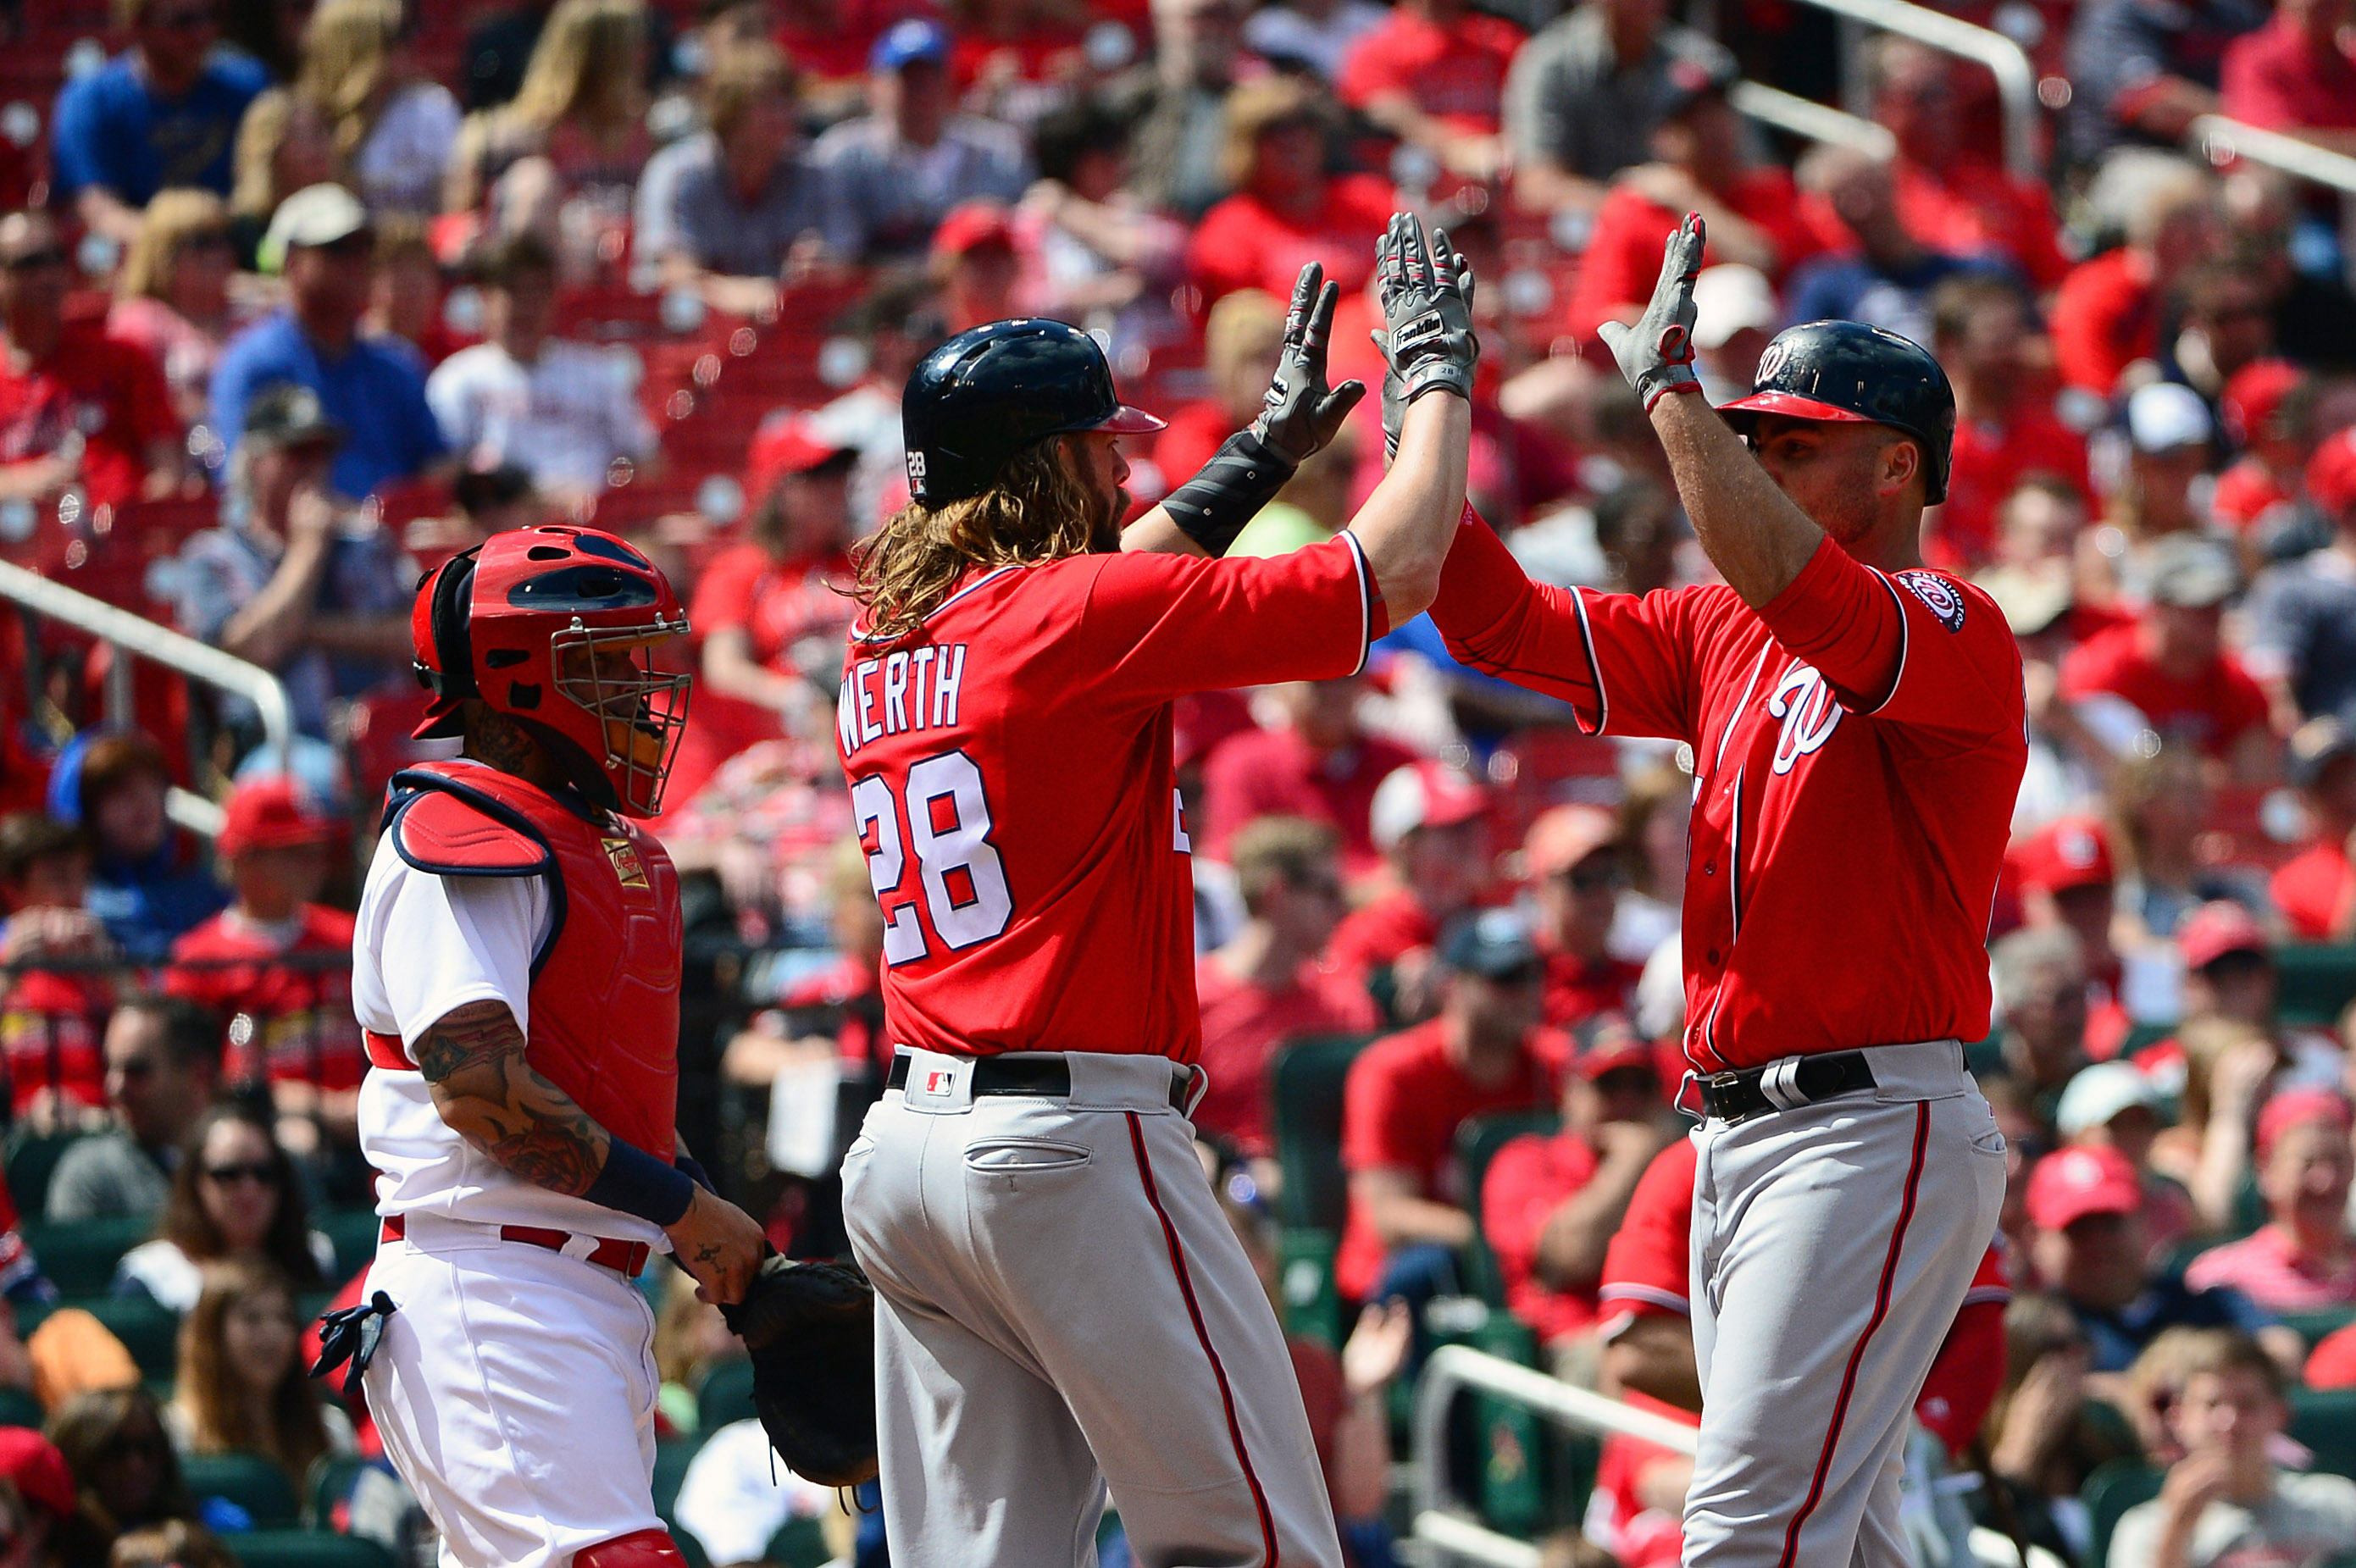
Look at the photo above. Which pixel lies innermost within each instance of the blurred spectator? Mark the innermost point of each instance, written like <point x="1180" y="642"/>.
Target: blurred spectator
<point x="734" y="1496"/>
<point x="1433" y="75"/>
<point x="2315" y="891"/>
<point x="2226" y="323"/>
<point x="2158" y="809"/>
<point x="110" y="783"/>
<point x="373" y="387"/>
<point x="176" y="1543"/>
<point x="405" y="293"/>
<point x="737" y="210"/>
<point x="1698" y="166"/>
<point x="1577" y="866"/>
<point x="1407" y="1096"/>
<point x="161" y="113"/>
<point x="2302" y="1259"/>
<point x="2171" y="438"/>
<point x="283" y="144"/>
<point x="2143" y="73"/>
<point x="278" y="960"/>
<point x="2068" y="880"/>
<point x="2293" y="75"/>
<point x="1427" y="819"/>
<point x="122" y="1464"/>
<point x="484" y="501"/>
<point x="1953" y="196"/>
<point x="1583" y="94"/>
<point x="234" y="1199"/>
<point x="2302" y="613"/>
<point x="1980" y="328"/>
<point x="1313" y="507"/>
<point x="80" y="410"/>
<point x="2040" y="990"/>
<point x="2034" y="583"/>
<point x="690" y="1342"/>
<point x="972" y="262"/>
<point x="172" y="296"/>
<point x="269" y="30"/>
<point x="240" y="1387"/>
<point x="2114" y="1105"/>
<point x="59" y="1537"/>
<point x="2269" y="408"/>
<point x="394" y="125"/>
<point x="1090" y="246"/>
<point x="498" y="51"/>
<point x="1287" y="210"/>
<point x="2042" y="1442"/>
<point x="2107" y="314"/>
<point x="2315" y="312"/>
<point x="563" y="411"/>
<point x="2225" y="1501"/>
<point x="2088" y="1245"/>
<point x="897" y="324"/>
<point x="2333" y="1365"/>
<point x="1315" y="34"/>
<point x="1178" y="105"/>
<point x="1319" y="762"/>
<point x="891" y="174"/>
<point x="1241" y="339"/>
<point x="1264" y="989"/>
<point x="562" y="157"/>
<point x="295" y="581"/>
<point x="1653" y="830"/>
<point x="1551" y="1204"/>
<point x="51" y="1020"/>
<point x="1737" y="315"/>
<point x="163" y="1061"/>
<point x="1884" y="275"/>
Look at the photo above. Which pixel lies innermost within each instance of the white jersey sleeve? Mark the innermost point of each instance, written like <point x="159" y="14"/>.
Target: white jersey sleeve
<point x="427" y="945"/>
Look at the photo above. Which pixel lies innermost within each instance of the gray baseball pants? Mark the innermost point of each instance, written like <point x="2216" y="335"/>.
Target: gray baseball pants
<point x="1831" y="1245"/>
<point x="1060" y="1307"/>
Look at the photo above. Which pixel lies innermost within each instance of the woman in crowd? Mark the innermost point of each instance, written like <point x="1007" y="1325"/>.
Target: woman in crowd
<point x="240" y="1385"/>
<point x="2302" y="1259"/>
<point x="234" y="1199"/>
<point x="284" y="143"/>
<point x="393" y="126"/>
<point x="122" y="1462"/>
<point x="144" y="885"/>
<point x="172" y="297"/>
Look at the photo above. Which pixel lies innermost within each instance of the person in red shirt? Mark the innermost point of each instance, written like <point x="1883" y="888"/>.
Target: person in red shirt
<point x="972" y="261"/>
<point x="2302" y="1259"/>
<point x="1576" y="864"/>
<point x="1264" y="989"/>
<point x="78" y="409"/>
<point x="2294" y="75"/>
<point x="276" y="963"/>
<point x="2068" y="880"/>
<point x="2171" y="665"/>
<point x="1242" y="336"/>
<point x="2269" y="408"/>
<point x="2315" y="890"/>
<point x="2004" y="430"/>
<point x="1407" y="1096"/>
<point x="1430" y="823"/>
<point x="2107" y="314"/>
<point x="1287" y="210"/>
<point x="1551" y="1204"/>
<point x="1433" y="75"/>
<point x="52" y="1022"/>
<point x="1952" y="196"/>
<point x="1319" y="763"/>
<point x="1753" y="215"/>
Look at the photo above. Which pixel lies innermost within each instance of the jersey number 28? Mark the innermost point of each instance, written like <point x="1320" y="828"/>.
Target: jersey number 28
<point x="964" y="881"/>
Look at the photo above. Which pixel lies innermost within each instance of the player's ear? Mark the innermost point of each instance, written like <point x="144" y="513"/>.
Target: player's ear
<point x="1901" y="465"/>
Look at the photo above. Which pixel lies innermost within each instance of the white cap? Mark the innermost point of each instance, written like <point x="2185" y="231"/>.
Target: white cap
<point x="2164" y="415"/>
<point x="316" y="215"/>
<point x="1425" y="792"/>
<point x="2099" y="1093"/>
<point x="1729" y="298"/>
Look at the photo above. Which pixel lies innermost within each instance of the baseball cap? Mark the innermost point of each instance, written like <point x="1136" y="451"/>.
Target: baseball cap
<point x="907" y="42"/>
<point x="2256" y="392"/>
<point x="971" y="225"/>
<point x="787" y="445"/>
<point x="2297" y="1108"/>
<point x="1424" y="793"/>
<point x="2070" y="1184"/>
<point x="2163" y="416"/>
<point x="2331" y="472"/>
<point x="1607" y="1042"/>
<point x="2099" y="1093"/>
<point x="38" y="1471"/>
<point x="2031" y="597"/>
<point x="2315" y="746"/>
<point x="1732" y="298"/>
<point x="271" y="813"/>
<point x="316" y="215"/>
<point x="288" y="414"/>
<point x="1490" y="943"/>
<point x="2216" y="929"/>
<point x="2192" y="572"/>
<point x="1689" y="78"/>
<point x="1564" y="835"/>
<point x="2067" y="852"/>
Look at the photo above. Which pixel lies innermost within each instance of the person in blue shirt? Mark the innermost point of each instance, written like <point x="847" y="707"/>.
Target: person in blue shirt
<point x="144" y="887"/>
<point x="372" y="387"/>
<point x="163" y="113"/>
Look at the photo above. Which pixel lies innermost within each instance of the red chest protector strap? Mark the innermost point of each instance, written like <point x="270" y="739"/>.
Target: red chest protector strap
<point x="442" y="826"/>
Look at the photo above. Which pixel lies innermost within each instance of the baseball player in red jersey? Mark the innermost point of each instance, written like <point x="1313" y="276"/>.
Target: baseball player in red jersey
<point x="1858" y="730"/>
<point x="1060" y="1305"/>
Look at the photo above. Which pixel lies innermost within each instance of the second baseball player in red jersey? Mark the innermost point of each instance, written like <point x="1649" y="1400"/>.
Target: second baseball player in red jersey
<point x="1858" y="728"/>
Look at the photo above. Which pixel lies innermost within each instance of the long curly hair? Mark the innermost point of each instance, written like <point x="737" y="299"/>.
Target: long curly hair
<point x="1037" y="511"/>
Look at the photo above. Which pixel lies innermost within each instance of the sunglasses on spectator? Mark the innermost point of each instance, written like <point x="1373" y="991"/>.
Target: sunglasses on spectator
<point x="267" y="1175"/>
<point x="35" y="260"/>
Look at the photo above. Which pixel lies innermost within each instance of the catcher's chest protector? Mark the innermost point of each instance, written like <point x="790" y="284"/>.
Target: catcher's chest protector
<point x="605" y="988"/>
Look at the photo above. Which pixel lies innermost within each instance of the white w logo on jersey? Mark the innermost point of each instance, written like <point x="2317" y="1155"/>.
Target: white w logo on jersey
<point x="1805" y="702"/>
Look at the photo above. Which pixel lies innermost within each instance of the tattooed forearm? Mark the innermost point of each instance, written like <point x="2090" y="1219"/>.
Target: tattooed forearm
<point x="467" y="1037"/>
<point x="489" y="1095"/>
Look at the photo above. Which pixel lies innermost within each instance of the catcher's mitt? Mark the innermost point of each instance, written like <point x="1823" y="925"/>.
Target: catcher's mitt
<point x="811" y="1330"/>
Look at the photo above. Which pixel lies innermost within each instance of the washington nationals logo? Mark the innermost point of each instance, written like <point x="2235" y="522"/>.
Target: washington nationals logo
<point x="1810" y="712"/>
<point x="1938" y="595"/>
<point x="1772" y="363"/>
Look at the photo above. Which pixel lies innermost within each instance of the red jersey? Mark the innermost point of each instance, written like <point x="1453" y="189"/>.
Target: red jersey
<point x="2104" y="316"/>
<point x="1455" y="71"/>
<point x="1011" y="778"/>
<point x="1528" y="1179"/>
<point x="1244" y="243"/>
<point x="52" y="1028"/>
<point x="302" y="1028"/>
<point x="1576" y="990"/>
<point x="2333" y="1364"/>
<point x="2275" y="78"/>
<point x="1622" y="261"/>
<point x="1971" y="207"/>
<point x="1989" y="460"/>
<point x="1273" y="773"/>
<point x="1378" y="935"/>
<point x="2213" y="711"/>
<point x="1858" y="744"/>
<point x="1400" y="1109"/>
<point x="108" y="393"/>
<point x="2316" y="890"/>
<point x="1244" y="1025"/>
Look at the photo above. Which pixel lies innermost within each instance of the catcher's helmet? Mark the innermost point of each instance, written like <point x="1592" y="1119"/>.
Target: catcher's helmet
<point x="520" y="621"/>
<point x="1849" y="372"/>
<point x="986" y="394"/>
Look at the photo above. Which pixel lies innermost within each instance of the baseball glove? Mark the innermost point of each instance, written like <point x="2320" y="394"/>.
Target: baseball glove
<point x="811" y="1328"/>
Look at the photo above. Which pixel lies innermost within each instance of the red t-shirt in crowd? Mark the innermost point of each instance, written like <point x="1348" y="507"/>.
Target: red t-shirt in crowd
<point x="302" y="1027"/>
<point x="2316" y="891"/>
<point x="2333" y="1364"/>
<point x="1576" y="990"/>
<point x="1400" y="1109"/>
<point x="2246" y="492"/>
<point x="1042" y="50"/>
<point x="2273" y="78"/>
<point x="1972" y="208"/>
<point x="781" y="607"/>
<point x="2266" y="1267"/>
<point x="1377" y="934"/>
<point x="1624" y="255"/>
<point x="1244" y="243"/>
<point x="1272" y="772"/>
<point x="1989" y="460"/>
<point x="1455" y="72"/>
<point x="1528" y="1179"/>
<point x="1245" y="1024"/>
<point x="1010" y="779"/>
<point x="2213" y="709"/>
<point x="2106" y="316"/>
<point x="108" y="392"/>
<point x="52" y="1029"/>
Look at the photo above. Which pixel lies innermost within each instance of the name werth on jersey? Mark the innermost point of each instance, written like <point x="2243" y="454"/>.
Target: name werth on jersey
<point x="913" y="690"/>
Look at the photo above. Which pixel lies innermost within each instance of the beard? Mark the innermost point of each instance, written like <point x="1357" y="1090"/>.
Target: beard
<point x="1105" y="513"/>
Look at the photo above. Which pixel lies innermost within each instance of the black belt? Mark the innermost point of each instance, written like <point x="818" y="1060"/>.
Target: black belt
<point x="1043" y="1077"/>
<point x="1737" y="1096"/>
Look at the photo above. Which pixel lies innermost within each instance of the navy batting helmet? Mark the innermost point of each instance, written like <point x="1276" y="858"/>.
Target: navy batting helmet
<point x="985" y="395"/>
<point x="1849" y="372"/>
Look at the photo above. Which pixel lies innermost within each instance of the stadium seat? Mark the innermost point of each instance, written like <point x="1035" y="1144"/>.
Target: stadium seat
<point x="330" y="1484"/>
<point x="2109" y="1492"/>
<point x="1312" y="1303"/>
<point x="726" y="1395"/>
<point x="352" y="1229"/>
<point x="2325" y="1420"/>
<point x="671" y="1459"/>
<point x="1305" y="1082"/>
<point x="308" y="1548"/>
<point x="79" y="1258"/>
<point x="254" y="1482"/>
<point x="19" y="1408"/>
<point x="32" y="1160"/>
<point x="2318" y="979"/>
<point x="798" y="1543"/>
<point x="1477" y="1143"/>
<point x="2317" y="1326"/>
<point x="149" y="1332"/>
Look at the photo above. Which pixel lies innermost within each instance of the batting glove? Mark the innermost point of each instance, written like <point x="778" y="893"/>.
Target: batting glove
<point x="1301" y="414"/>
<point x="1656" y="354"/>
<point x="1427" y="298"/>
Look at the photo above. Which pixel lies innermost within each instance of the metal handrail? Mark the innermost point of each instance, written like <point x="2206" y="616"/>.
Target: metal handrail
<point x="1454" y="1367"/>
<point x="2016" y="80"/>
<point x="1806" y="117"/>
<point x="2219" y="139"/>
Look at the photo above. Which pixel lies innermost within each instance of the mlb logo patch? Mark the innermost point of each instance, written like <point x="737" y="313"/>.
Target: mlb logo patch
<point x="939" y="1083"/>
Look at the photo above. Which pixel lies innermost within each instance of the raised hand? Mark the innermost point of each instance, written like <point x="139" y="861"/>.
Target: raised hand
<point x="1301" y="414"/>
<point x="1428" y="342"/>
<point x="1656" y="354"/>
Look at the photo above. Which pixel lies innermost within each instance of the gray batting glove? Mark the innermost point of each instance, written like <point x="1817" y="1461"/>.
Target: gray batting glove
<point x="1301" y="414"/>
<point x="1656" y="354"/>
<point x="1426" y="293"/>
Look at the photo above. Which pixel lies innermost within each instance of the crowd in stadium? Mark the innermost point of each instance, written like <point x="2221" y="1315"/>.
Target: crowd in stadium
<point x="297" y="299"/>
